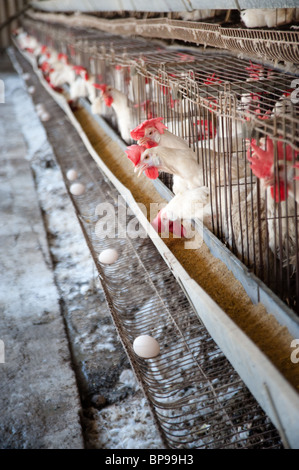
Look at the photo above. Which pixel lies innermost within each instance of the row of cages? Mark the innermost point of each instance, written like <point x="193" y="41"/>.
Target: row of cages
<point x="235" y="114"/>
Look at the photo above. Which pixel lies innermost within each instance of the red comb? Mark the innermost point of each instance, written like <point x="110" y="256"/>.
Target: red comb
<point x="62" y="56"/>
<point x="211" y="80"/>
<point x="101" y="87"/>
<point x="262" y="165"/>
<point x="79" y="68"/>
<point x="134" y="153"/>
<point x="139" y="131"/>
<point x="254" y="70"/>
<point x="261" y="160"/>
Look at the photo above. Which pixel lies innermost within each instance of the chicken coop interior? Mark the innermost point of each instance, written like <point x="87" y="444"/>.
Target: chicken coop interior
<point x="150" y="170"/>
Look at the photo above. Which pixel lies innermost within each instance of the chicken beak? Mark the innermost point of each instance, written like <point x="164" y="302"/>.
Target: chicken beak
<point x="140" y="167"/>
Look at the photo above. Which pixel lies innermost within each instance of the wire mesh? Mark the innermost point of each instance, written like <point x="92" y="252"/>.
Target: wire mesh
<point x="220" y="105"/>
<point x="197" y="398"/>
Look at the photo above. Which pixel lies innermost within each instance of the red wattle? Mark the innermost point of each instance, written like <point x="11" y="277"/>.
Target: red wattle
<point x="108" y="100"/>
<point x="152" y="172"/>
<point x="281" y="192"/>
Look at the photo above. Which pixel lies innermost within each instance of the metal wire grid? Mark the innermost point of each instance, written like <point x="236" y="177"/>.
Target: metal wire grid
<point x="256" y="87"/>
<point x="268" y="45"/>
<point x="264" y="44"/>
<point x="206" y="70"/>
<point x="197" y="398"/>
<point x="215" y="102"/>
<point x="210" y="115"/>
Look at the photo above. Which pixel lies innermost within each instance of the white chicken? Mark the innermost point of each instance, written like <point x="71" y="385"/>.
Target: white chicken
<point x="179" y="162"/>
<point x="63" y="72"/>
<point x="193" y="203"/>
<point x="270" y="17"/>
<point x="189" y="172"/>
<point x="283" y="106"/>
<point x="280" y="180"/>
<point x="231" y="212"/>
<point x="27" y="42"/>
<point x="229" y="128"/>
<point x="153" y="132"/>
<point x="290" y="173"/>
<point x="197" y="15"/>
<point x="282" y="183"/>
<point x="83" y="85"/>
<point x="97" y="105"/>
<point x="120" y="104"/>
<point x="65" y="75"/>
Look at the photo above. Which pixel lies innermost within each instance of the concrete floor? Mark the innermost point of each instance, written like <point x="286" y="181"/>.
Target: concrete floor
<point x="39" y="399"/>
<point x="57" y="388"/>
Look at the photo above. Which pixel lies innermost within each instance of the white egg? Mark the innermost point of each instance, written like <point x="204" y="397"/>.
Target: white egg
<point x="146" y="346"/>
<point x="31" y="90"/>
<point x="40" y="112"/>
<point x="45" y="116"/>
<point x="71" y="175"/>
<point x="108" y="256"/>
<point x="77" y="189"/>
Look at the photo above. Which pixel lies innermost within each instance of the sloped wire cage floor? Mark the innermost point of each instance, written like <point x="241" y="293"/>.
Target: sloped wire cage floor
<point x="196" y="397"/>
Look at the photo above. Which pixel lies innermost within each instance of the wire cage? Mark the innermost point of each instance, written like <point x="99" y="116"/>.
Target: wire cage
<point x="197" y="398"/>
<point x="227" y="110"/>
<point x="223" y="107"/>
